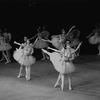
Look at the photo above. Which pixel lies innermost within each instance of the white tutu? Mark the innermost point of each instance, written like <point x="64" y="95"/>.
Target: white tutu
<point x="5" y="46"/>
<point x="18" y="53"/>
<point x="23" y="59"/>
<point x="40" y="44"/>
<point x="55" y="41"/>
<point x="93" y="40"/>
<point x="65" y="68"/>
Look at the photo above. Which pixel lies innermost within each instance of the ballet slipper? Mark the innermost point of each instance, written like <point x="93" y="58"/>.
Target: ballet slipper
<point x="7" y="62"/>
<point x="27" y="78"/>
<point x="62" y="87"/>
<point x="57" y="84"/>
<point x="70" y="88"/>
<point x="19" y="76"/>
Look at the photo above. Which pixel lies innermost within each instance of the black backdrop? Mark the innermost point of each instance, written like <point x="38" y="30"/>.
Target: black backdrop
<point x="23" y="17"/>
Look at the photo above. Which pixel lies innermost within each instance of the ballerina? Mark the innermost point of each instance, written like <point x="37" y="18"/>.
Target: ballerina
<point x="94" y="38"/>
<point x="3" y="48"/>
<point x="39" y="43"/>
<point x="75" y="40"/>
<point x="58" y="40"/>
<point x="61" y="59"/>
<point x="24" y="57"/>
<point x="7" y="39"/>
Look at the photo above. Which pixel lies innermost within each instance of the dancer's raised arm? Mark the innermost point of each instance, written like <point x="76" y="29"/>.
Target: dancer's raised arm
<point x="35" y="42"/>
<point x="77" y="47"/>
<point x="54" y="50"/>
<point x="70" y="30"/>
<point x="47" y="40"/>
<point x="90" y="34"/>
<point x="17" y="43"/>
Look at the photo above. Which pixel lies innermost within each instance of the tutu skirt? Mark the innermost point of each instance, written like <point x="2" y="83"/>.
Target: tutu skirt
<point x="93" y="40"/>
<point x="22" y="59"/>
<point x="40" y="44"/>
<point x="55" y="42"/>
<point x="62" y="67"/>
<point x="5" y="46"/>
<point x="18" y="53"/>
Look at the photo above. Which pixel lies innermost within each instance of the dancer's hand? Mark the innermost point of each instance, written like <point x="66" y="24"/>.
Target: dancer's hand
<point x="48" y="47"/>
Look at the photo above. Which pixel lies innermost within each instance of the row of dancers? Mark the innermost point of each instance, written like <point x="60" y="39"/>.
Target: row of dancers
<point x="61" y="56"/>
<point x="64" y="52"/>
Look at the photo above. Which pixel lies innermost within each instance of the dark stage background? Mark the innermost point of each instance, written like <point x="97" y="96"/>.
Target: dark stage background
<point x="23" y="17"/>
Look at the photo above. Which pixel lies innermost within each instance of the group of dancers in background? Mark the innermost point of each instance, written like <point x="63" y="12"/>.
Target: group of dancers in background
<point x="65" y="48"/>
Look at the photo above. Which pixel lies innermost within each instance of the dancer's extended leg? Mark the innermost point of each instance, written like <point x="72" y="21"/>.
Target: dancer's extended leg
<point x="20" y="71"/>
<point x="62" y="82"/>
<point x="69" y="81"/>
<point x="57" y="82"/>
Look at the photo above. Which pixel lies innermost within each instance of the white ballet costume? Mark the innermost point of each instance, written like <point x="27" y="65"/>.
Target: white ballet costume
<point x="23" y="56"/>
<point x="60" y="66"/>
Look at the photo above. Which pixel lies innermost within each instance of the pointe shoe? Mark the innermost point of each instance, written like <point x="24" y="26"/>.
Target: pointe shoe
<point x="62" y="87"/>
<point x="27" y="78"/>
<point x="19" y="76"/>
<point x="70" y="88"/>
<point x="57" y="84"/>
<point x="7" y="62"/>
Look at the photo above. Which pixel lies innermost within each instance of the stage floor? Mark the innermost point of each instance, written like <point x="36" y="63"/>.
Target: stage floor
<point x="85" y="81"/>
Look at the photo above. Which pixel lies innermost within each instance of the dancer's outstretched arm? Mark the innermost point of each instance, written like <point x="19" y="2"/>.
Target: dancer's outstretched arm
<point x="45" y="51"/>
<point x="35" y="42"/>
<point x="17" y="43"/>
<point x="47" y="40"/>
<point x="90" y="34"/>
<point x="70" y="30"/>
<point x="54" y="50"/>
<point x="77" y="48"/>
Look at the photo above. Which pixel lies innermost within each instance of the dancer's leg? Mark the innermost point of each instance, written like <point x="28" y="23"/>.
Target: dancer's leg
<point x="69" y="81"/>
<point x="29" y="72"/>
<point x="57" y="82"/>
<point x="8" y="55"/>
<point x="62" y="82"/>
<point x="7" y="61"/>
<point x="43" y="56"/>
<point x="26" y="69"/>
<point x="20" y="71"/>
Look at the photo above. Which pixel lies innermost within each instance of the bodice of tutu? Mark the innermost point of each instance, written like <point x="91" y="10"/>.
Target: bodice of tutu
<point x="28" y="50"/>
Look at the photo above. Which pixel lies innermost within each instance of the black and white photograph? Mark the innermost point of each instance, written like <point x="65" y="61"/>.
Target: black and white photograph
<point x="49" y="50"/>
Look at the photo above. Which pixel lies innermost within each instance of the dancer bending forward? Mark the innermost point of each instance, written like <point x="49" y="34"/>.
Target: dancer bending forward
<point x="62" y="63"/>
<point x="24" y="57"/>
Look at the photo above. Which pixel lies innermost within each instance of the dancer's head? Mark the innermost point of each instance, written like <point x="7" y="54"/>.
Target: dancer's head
<point x="25" y="39"/>
<point x="63" y="31"/>
<point x="28" y="41"/>
<point x="67" y="45"/>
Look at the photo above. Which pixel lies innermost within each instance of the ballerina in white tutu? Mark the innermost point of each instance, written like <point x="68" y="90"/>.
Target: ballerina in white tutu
<point x="61" y="60"/>
<point x="7" y="39"/>
<point x="95" y="38"/>
<point x="39" y="43"/>
<point x="24" y="57"/>
<point x="3" y="48"/>
<point x="58" y="40"/>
